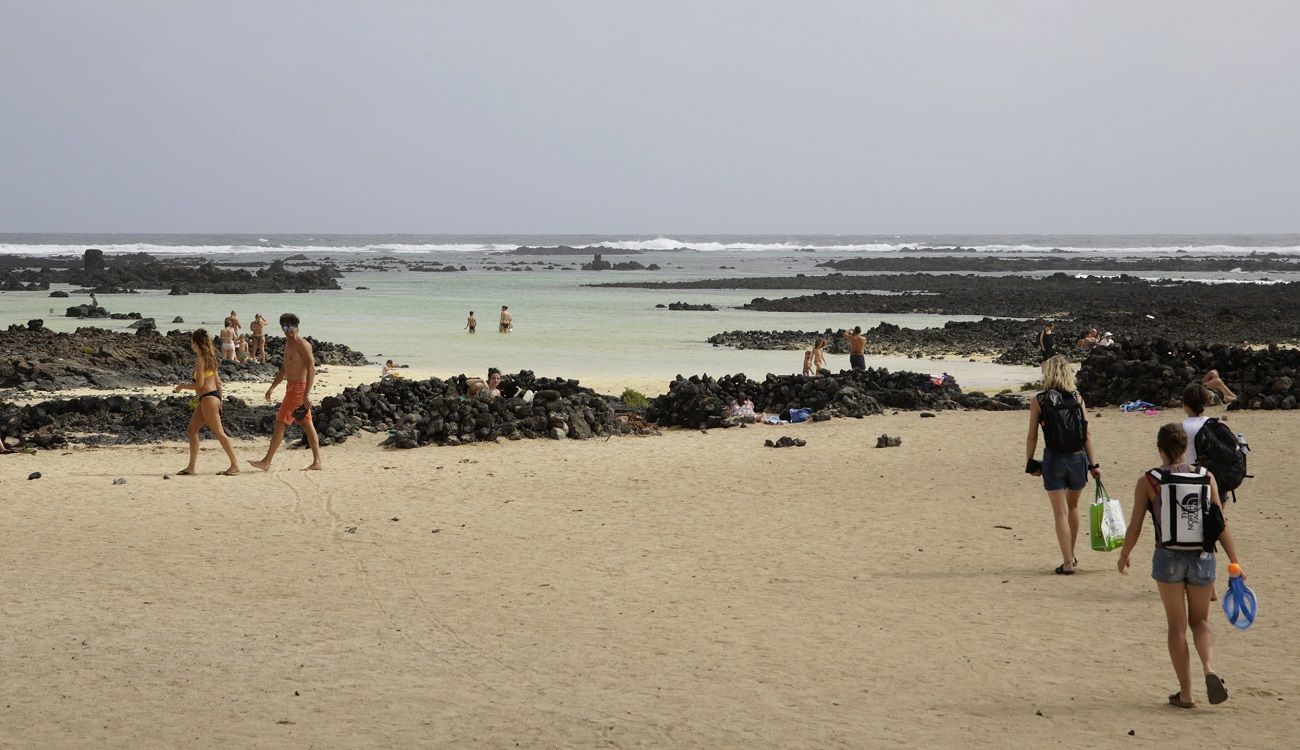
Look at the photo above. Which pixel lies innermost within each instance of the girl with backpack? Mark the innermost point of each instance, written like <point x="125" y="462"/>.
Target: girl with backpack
<point x="1068" y="455"/>
<point x="1187" y="513"/>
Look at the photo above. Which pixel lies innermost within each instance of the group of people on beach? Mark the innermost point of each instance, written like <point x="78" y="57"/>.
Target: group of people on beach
<point x="237" y="346"/>
<point x="814" y="359"/>
<point x="298" y="372"/>
<point x="1180" y="495"/>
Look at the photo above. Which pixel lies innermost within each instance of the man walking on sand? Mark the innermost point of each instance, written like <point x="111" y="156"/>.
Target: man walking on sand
<point x="299" y="374"/>
<point x="507" y="322"/>
<point x="857" y="348"/>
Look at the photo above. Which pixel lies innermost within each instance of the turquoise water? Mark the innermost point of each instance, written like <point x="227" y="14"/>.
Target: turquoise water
<point x="611" y="337"/>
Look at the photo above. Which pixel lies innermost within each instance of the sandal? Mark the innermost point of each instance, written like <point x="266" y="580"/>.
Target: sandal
<point x="227" y="473"/>
<point x="1214" y="686"/>
<point x="1177" y="701"/>
<point x="185" y="473"/>
<point x="1061" y="571"/>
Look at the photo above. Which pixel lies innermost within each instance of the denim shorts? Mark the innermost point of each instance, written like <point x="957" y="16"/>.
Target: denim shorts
<point x="1183" y="566"/>
<point x="1067" y="472"/>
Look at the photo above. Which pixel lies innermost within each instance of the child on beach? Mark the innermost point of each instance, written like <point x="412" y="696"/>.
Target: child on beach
<point x="1068" y="456"/>
<point x="819" y="355"/>
<point x="207" y="384"/>
<point x="1184" y="573"/>
<point x="808" y="363"/>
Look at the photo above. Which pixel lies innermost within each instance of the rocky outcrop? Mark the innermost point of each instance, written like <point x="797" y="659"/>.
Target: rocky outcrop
<point x="181" y="277"/>
<point x="1006" y="341"/>
<point x="701" y="401"/>
<point x="689" y="306"/>
<point x="40" y="359"/>
<point x="1060" y="261"/>
<point x="87" y="311"/>
<point x="1157" y="371"/>
<point x="434" y="411"/>
<point x="116" y="420"/>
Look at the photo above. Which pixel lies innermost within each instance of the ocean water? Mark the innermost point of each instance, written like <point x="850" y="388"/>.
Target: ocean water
<point x="610" y="337"/>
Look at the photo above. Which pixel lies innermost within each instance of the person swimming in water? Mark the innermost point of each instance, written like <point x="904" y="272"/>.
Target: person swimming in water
<point x="207" y="384"/>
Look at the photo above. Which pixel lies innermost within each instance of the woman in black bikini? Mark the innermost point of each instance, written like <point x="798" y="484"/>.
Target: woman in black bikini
<point x="207" y="383"/>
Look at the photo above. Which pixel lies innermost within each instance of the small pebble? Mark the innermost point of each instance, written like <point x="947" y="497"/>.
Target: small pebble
<point x="34" y="475"/>
<point x="1132" y="732"/>
<point x="119" y="480"/>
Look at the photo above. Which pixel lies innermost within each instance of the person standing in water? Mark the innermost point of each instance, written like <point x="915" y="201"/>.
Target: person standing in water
<point x="299" y="374"/>
<point x="207" y="384"/>
<point x="471" y="323"/>
<point x="507" y="322"/>
<point x="857" y="348"/>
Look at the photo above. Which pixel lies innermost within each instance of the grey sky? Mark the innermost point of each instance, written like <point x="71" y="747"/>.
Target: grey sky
<point x="606" y="116"/>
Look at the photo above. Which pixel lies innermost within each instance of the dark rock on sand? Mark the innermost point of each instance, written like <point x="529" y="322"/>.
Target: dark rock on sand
<point x="1157" y="370"/>
<point x="438" y="412"/>
<point x="886" y="441"/>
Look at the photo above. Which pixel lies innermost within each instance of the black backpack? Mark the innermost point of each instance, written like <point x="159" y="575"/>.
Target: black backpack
<point x="1220" y="450"/>
<point x="1064" y="425"/>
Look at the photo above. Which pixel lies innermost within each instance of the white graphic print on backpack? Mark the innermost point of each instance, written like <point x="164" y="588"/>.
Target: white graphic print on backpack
<point x="1184" y="505"/>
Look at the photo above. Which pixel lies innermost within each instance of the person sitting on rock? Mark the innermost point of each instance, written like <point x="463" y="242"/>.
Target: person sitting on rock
<point x="1107" y="340"/>
<point x="1216" y="384"/>
<point x="741" y="410"/>
<point x="3" y="448"/>
<point x="490" y="388"/>
<point x="1087" y="342"/>
<point x="389" y="370"/>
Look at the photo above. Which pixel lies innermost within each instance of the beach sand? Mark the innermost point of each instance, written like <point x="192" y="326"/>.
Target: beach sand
<point x="689" y="590"/>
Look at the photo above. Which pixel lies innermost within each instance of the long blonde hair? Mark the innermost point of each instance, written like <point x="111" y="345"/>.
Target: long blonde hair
<point x="207" y="352"/>
<point x="1058" y="375"/>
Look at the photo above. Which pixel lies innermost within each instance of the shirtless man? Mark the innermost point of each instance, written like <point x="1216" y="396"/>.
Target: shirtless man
<point x="507" y="322"/>
<point x="299" y="374"/>
<point x="471" y="323"/>
<point x="228" y="341"/>
<point x="234" y="318"/>
<point x="258" y="327"/>
<point x="857" y="348"/>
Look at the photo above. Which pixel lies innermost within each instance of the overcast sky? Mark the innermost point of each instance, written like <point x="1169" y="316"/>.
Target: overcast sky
<point x="651" y="117"/>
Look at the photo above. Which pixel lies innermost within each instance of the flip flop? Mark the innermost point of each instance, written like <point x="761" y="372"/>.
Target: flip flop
<point x="184" y="473"/>
<point x="1061" y="571"/>
<point x="227" y="473"/>
<point x="1214" y="686"/>
<point x="1176" y="701"/>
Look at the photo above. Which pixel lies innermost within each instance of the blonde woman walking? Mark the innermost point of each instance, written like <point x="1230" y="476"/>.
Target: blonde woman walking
<point x="1068" y="456"/>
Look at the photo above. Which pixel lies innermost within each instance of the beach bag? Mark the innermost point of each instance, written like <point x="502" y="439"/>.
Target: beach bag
<point x="800" y="415"/>
<point x="1064" y="426"/>
<point x="1106" y="521"/>
<point x="1223" y="452"/>
<point x="1189" y="519"/>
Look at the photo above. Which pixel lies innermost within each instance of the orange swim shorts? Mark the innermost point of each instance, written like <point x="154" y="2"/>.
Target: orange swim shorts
<point x="295" y="393"/>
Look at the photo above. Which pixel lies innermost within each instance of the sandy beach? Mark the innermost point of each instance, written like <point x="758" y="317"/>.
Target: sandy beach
<point x="689" y="590"/>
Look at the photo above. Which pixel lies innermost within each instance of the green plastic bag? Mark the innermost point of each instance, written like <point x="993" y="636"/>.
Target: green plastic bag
<point x="1106" y="521"/>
